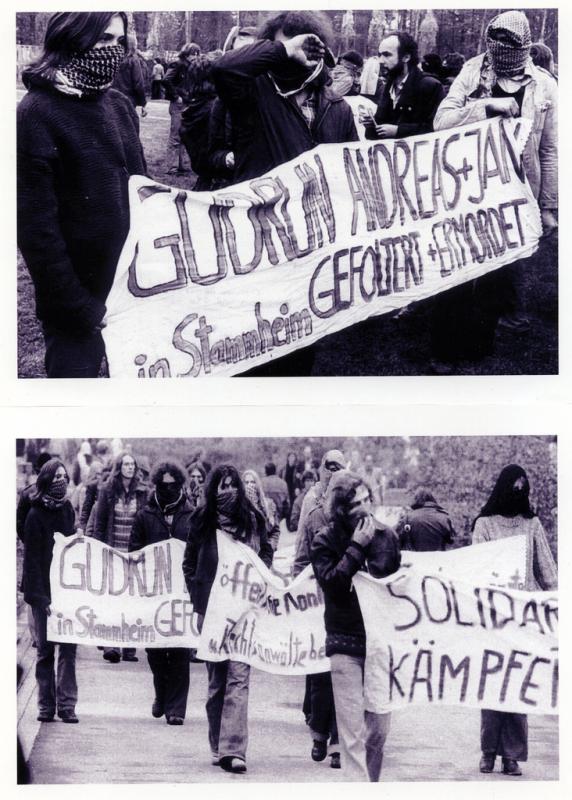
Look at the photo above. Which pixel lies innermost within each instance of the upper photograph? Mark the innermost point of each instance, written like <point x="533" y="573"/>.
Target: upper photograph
<point x="287" y="193"/>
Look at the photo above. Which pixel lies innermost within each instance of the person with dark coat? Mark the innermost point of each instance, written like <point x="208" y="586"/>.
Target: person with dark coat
<point x="308" y="480"/>
<point x="78" y="144"/>
<point x="195" y="120"/>
<point x="226" y="508"/>
<point x="352" y="540"/>
<point x="51" y="513"/>
<point x="289" y="473"/>
<point x="131" y="78"/>
<point x="176" y="86"/>
<point x="427" y="526"/>
<point x="167" y="515"/>
<point x="118" y="501"/>
<point x="26" y="496"/>
<point x="410" y="98"/>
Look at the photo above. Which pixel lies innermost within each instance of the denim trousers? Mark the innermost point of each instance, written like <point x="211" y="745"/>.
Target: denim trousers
<point x="504" y="734"/>
<point x="57" y="689"/>
<point x="170" y="668"/>
<point x="362" y="733"/>
<point x="176" y="152"/>
<point x="227" y="708"/>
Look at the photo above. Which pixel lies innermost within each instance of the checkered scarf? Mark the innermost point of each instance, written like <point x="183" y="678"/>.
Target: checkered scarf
<point x="93" y="72"/>
<point x="509" y="59"/>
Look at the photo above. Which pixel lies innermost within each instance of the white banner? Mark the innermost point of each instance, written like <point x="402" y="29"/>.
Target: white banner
<point x="454" y="628"/>
<point x="103" y="597"/>
<point x="252" y="617"/>
<point x="214" y="283"/>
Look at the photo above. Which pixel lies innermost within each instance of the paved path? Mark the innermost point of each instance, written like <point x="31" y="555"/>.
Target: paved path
<point x="117" y="740"/>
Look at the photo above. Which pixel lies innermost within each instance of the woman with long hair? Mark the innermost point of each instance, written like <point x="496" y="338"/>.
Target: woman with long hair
<point x="226" y="508"/>
<point x="118" y="501"/>
<point x="51" y="512"/>
<point x="264" y="504"/>
<point x="78" y="143"/>
<point x="292" y="476"/>
<point x="197" y="477"/>
<point x="508" y="512"/>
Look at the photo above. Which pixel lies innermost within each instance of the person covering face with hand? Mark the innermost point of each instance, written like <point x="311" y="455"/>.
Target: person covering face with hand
<point x="352" y="540"/>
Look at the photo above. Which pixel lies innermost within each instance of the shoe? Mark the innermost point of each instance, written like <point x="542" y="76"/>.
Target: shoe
<point x="319" y="750"/>
<point x="510" y="767"/>
<point x="67" y="715"/>
<point x="157" y="709"/>
<point x="46" y="716"/>
<point x="487" y="763"/>
<point x="112" y="657"/>
<point x="233" y="764"/>
<point x="335" y="761"/>
<point x="174" y="720"/>
<point x="129" y="657"/>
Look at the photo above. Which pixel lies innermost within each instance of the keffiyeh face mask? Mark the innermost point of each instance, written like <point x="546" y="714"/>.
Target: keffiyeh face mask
<point x="93" y="72"/>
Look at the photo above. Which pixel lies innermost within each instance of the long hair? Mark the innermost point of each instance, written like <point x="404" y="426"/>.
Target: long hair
<point x="263" y="499"/>
<point x="173" y="468"/>
<point x="46" y="476"/>
<point x="205" y="517"/>
<point x="293" y="23"/>
<point x="68" y="33"/>
<point x="115" y="480"/>
<point x="500" y="500"/>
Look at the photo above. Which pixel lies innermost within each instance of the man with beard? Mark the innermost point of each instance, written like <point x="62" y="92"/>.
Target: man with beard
<point x="410" y="97"/>
<point x="352" y="540"/>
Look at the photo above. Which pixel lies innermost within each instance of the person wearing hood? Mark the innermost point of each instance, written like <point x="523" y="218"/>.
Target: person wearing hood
<point x="167" y="515"/>
<point x="352" y="540"/>
<point x="427" y="526"/>
<point x="118" y="501"/>
<point x="501" y="82"/>
<point x="77" y="145"/>
<point x="51" y="512"/>
<point x="506" y="513"/>
<point x="228" y="509"/>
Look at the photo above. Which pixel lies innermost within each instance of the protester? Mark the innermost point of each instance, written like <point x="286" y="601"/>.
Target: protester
<point x="167" y="515"/>
<point x="27" y="494"/>
<point x="543" y="57"/>
<point x="452" y="65"/>
<point x="431" y="64"/>
<point x="118" y="501"/>
<point x="427" y="526"/>
<point x="81" y="463"/>
<point x="277" y="490"/>
<point x="373" y="476"/>
<point x="346" y="75"/>
<point x="352" y="540"/>
<point x="504" y="82"/>
<point x="308" y="480"/>
<point x="197" y="477"/>
<point x="175" y="84"/>
<point x="157" y="75"/>
<point x="410" y="98"/>
<point x="506" y="513"/>
<point x="290" y="474"/>
<point x="78" y="143"/>
<point x="280" y="104"/>
<point x="50" y="513"/>
<point x="332" y="461"/>
<point x="98" y="474"/>
<point x="226" y="508"/>
<point x="264" y="504"/>
<point x="195" y="119"/>
<point x="130" y="79"/>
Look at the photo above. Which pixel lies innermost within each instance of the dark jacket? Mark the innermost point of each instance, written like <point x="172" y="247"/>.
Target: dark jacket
<point x="220" y="145"/>
<point x="75" y="157"/>
<point x="39" y="528"/>
<point x="150" y="525"/>
<point x="22" y="509"/>
<point x="201" y="559"/>
<point x="176" y="83"/>
<point x="131" y="80"/>
<point x="105" y="509"/>
<point x="415" y="108"/>
<point x="277" y="490"/>
<point x="426" y="528"/>
<point x="268" y="129"/>
<point x="336" y="559"/>
<point x="194" y="133"/>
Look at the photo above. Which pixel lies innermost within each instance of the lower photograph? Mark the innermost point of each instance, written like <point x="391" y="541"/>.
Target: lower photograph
<point x="300" y="609"/>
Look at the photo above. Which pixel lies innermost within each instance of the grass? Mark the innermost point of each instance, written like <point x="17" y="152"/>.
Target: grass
<point x="380" y="346"/>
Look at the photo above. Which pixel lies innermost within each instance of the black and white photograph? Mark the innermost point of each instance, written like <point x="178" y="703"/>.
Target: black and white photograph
<point x="287" y="193"/>
<point x="287" y="609"/>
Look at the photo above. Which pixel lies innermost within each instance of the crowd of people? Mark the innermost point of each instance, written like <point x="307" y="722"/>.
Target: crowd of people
<point x="269" y="96"/>
<point x="125" y="502"/>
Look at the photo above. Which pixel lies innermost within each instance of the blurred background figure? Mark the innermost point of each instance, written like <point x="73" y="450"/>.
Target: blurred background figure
<point x="543" y="57"/>
<point x="292" y="476"/>
<point x="277" y="490"/>
<point x="265" y="505"/>
<point x="426" y="526"/>
<point x="373" y="476"/>
<point x="157" y="75"/>
<point x="452" y="65"/>
<point x="131" y="77"/>
<point x="175" y="84"/>
<point x="308" y="480"/>
<point x="431" y="64"/>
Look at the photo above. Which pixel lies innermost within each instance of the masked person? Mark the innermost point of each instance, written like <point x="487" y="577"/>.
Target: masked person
<point x="166" y="515"/>
<point x="504" y="82"/>
<point x="51" y="513"/>
<point x="281" y="105"/>
<point x="508" y="512"/>
<point x="226" y="508"/>
<point x="197" y="477"/>
<point x="352" y="540"/>
<point x="266" y="505"/>
<point x="78" y="143"/>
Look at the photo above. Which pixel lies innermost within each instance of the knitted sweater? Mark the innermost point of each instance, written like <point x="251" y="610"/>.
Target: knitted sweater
<point x="75" y="156"/>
